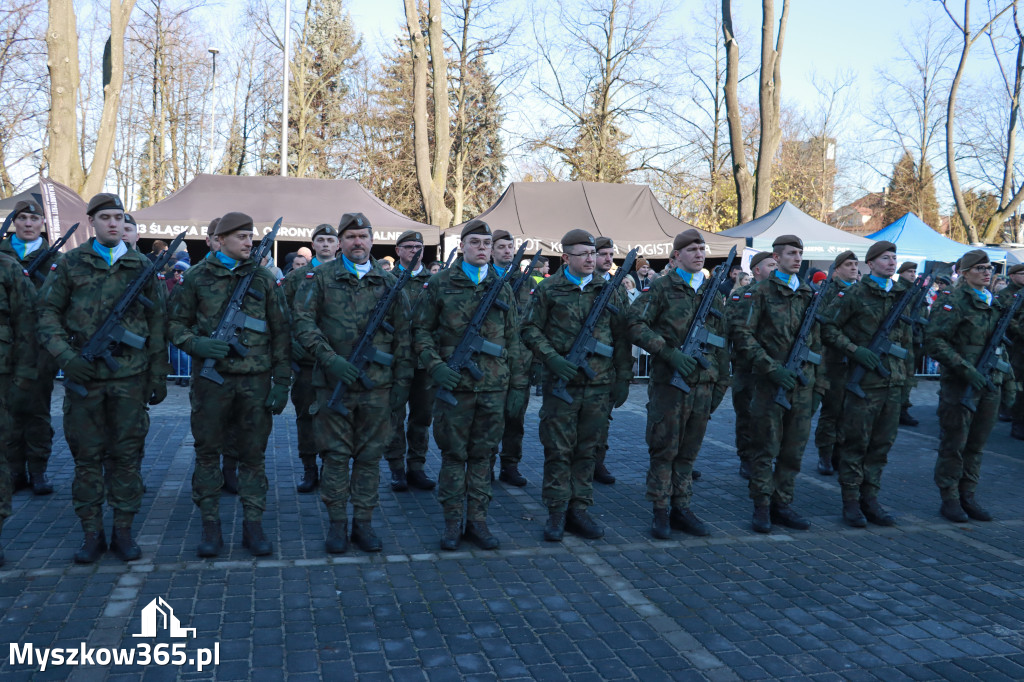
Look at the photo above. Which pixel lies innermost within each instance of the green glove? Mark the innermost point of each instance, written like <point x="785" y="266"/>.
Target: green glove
<point x="620" y="393"/>
<point x="782" y="377"/>
<point x="79" y="370"/>
<point x="515" y="401"/>
<point x="815" y="402"/>
<point x="205" y="347"/>
<point x="276" y="399"/>
<point x="445" y="377"/>
<point x="561" y="368"/>
<point x="399" y="397"/>
<point x="975" y="378"/>
<point x="157" y="389"/>
<point x="299" y="353"/>
<point x="342" y="370"/>
<point x="680" y="361"/>
<point x="866" y="358"/>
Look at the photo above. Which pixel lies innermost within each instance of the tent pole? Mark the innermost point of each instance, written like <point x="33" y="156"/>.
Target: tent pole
<point x="284" y="79"/>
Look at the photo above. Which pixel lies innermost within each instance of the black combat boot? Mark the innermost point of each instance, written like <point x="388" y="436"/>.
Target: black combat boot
<point x="480" y="535"/>
<point x="212" y="541"/>
<point x="973" y="509"/>
<point x="785" y="515"/>
<point x="254" y="540"/>
<point x="761" y="521"/>
<point x="694" y="475"/>
<point x="876" y="513"/>
<point x="602" y="475"/>
<point x="337" y="537"/>
<point x="554" y="529"/>
<point x="40" y="486"/>
<point x="230" y="476"/>
<point x="419" y="479"/>
<point x="398" y="481"/>
<point x="364" y="537"/>
<point x="580" y="522"/>
<point x="906" y="419"/>
<point x="93" y="546"/>
<point x="19" y="481"/>
<point x="510" y="475"/>
<point x="825" y="462"/>
<point x="122" y="544"/>
<point x="952" y="510"/>
<point x="660" y="528"/>
<point x="852" y="514"/>
<point x="745" y="470"/>
<point x="1017" y="430"/>
<point x="1005" y="415"/>
<point x="686" y="521"/>
<point x="452" y="535"/>
<point x="309" y="475"/>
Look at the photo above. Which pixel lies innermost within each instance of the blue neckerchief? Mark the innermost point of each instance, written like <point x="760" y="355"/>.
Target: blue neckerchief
<point x="607" y="276"/>
<point x="983" y="295"/>
<point x="231" y="263"/>
<point x="883" y="282"/>
<point x="499" y="271"/>
<point x="23" y="248"/>
<point x="791" y="281"/>
<point x="849" y="284"/>
<point x="109" y="254"/>
<point x="578" y="281"/>
<point x="694" y="279"/>
<point x="355" y="268"/>
<point x="399" y="266"/>
<point x="315" y="262"/>
<point x="475" y="274"/>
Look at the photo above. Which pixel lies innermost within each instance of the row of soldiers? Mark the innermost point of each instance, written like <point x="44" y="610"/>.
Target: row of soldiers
<point x="350" y="413"/>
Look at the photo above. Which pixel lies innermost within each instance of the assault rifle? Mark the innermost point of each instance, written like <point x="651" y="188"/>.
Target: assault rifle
<point x="106" y="341"/>
<point x="471" y="342"/>
<point x="33" y="267"/>
<point x="800" y="352"/>
<point x="991" y="357"/>
<point x="585" y="343"/>
<point x="698" y="338"/>
<point x="365" y="352"/>
<point x="451" y="258"/>
<point x="880" y="344"/>
<point x="523" y="278"/>
<point x="233" y="320"/>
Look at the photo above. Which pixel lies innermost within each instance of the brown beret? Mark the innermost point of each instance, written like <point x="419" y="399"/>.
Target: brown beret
<point x="604" y="243"/>
<point x="970" y="259"/>
<point x="129" y="219"/>
<point x="843" y="257"/>
<point x="27" y="206"/>
<point x="574" y="237"/>
<point x="323" y="229"/>
<point x="232" y="222"/>
<point x="788" y="240"/>
<point x="502" y="234"/>
<point x="909" y="265"/>
<point x="687" y="237"/>
<point x="104" y="202"/>
<point x="878" y="248"/>
<point x="1014" y="269"/>
<point x="758" y="257"/>
<point x="211" y="229"/>
<point x="475" y="226"/>
<point x="353" y="221"/>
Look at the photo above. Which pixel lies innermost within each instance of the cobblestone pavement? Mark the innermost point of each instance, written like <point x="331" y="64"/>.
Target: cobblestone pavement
<point x="924" y="600"/>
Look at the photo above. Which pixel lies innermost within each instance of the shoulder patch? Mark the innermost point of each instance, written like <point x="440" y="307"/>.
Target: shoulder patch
<point x="426" y="284"/>
<point x="310" y="275"/>
<point x="24" y="272"/>
<point x="736" y="297"/>
<point x="161" y="275"/>
<point x="841" y="294"/>
<point x="947" y="292"/>
<point x="946" y="306"/>
<point x="53" y="267"/>
<point x="748" y="294"/>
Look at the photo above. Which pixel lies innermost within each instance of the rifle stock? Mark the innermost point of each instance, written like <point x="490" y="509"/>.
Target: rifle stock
<point x="800" y="352"/>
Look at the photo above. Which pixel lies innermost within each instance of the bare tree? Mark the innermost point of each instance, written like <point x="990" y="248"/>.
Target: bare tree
<point x="21" y="57"/>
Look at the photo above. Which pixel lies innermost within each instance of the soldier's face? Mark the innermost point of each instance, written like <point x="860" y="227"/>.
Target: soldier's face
<point x="847" y="271"/>
<point x="909" y="275"/>
<point x="1017" y="278"/>
<point x="504" y="252"/>
<point x="407" y="251"/>
<point x="884" y="265"/>
<point x="690" y="258"/>
<point x="764" y="269"/>
<point x="476" y="249"/>
<point x="355" y="244"/>
<point x="237" y="244"/>
<point x="131" y="234"/>
<point x="325" y="246"/>
<point x="789" y="259"/>
<point x="108" y="226"/>
<point x="605" y="260"/>
<point x="979" y="276"/>
<point x="28" y="226"/>
<point x="580" y="260"/>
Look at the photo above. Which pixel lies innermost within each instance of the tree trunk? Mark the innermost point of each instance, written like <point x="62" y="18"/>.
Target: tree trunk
<point x="62" y="160"/>
<point x="769" y="102"/>
<point x="740" y="172"/>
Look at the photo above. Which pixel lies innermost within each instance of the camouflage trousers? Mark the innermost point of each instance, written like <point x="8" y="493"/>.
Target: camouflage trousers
<point x="569" y="434"/>
<point x="962" y="437"/>
<point x="417" y="434"/>
<point x="830" y="422"/>
<point x="742" y="393"/>
<point x="601" y="451"/>
<point x="30" y="438"/>
<point x="107" y="430"/>
<point x="467" y="434"/>
<point x="5" y="426"/>
<point x="911" y="381"/>
<point x="676" y="423"/>
<point x="303" y="395"/>
<point x="869" y="430"/>
<point x="512" y="436"/>
<point x="232" y="412"/>
<point x="358" y="437"/>
<point x="780" y="436"/>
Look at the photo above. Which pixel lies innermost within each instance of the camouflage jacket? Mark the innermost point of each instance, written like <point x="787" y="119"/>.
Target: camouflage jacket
<point x="959" y="328"/>
<point x="832" y="357"/>
<point x="737" y="305"/>
<point x="450" y="300"/>
<point x="557" y="312"/>
<point x="853" y="318"/>
<point x="1016" y="332"/>
<point x="331" y="310"/>
<point x="199" y="301"/>
<point x="290" y="286"/>
<point x="7" y="248"/>
<point x="17" y="321"/>
<point x="660" y="319"/>
<point x="773" y="320"/>
<point x="79" y="294"/>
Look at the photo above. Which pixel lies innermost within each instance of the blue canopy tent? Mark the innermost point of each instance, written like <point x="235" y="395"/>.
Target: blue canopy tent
<point x="821" y="241"/>
<point x="915" y="241"/>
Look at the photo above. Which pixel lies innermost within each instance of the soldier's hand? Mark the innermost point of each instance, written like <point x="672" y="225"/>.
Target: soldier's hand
<point x="717" y="397"/>
<point x="515" y="401"/>
<point x="299" y="353"/>
<point x="975" y="378"/>
<point x="815" y="402"/>
<point x="445" y="377"/>
<point x="620" y="393"/>
<point x="866" y="358"/>
<point x="561" y="368"/>
<point x="399" y="397"/>
<point x="681" y="362"/>
<point x="157" y="390"/>
<point x="79" y="370"/>
<point x="782" y="377"/>
<point x="342" y="370"/>
<point x="205" y="347"/>
<point x="277" y="398"/>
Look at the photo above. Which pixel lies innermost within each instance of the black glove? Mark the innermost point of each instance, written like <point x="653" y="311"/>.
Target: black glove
<point x="782" y="377"/>
<point x="561" y="368"/>
<point x="445" y="377"/>
<point x="277" y="399"/>
<point x="342" y="370"/>
<point x="205" y="347"/>
<point x="79" y="370"/>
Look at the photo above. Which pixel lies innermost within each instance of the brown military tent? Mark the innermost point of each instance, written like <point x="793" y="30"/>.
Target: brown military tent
<point x="62" y="206"/>
<point x="542" y="212"/>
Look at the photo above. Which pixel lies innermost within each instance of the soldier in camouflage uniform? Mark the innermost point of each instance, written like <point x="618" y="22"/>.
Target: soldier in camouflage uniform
<point x="762" y="265"/>
<point x="18" y="352"/>
<point x="869" y="424"/>
<point x="30" y="439"/>
<point x="676" y="421"/>
<point x="105" y="429"/>
<point x="602" y="269"/>
<point x="832" y="389"/>
<point x="907" y="275"/>
<point x="325" y="248"/>
<point x="254" y="387"/>
<point x="332" y="309"/>
<point x="467" y="432"/>
<point x="409" y="469"/>
<point x="961" y="324"/>
<point x="766" y="337"/>
<point x="1015" y="287"/>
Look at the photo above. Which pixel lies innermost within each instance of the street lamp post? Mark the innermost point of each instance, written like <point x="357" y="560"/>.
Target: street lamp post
<point x="213" y="108"/>
<point x="284" y="116"/>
